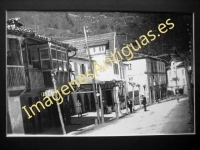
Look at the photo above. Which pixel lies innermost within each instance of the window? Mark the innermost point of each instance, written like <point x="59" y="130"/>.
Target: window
<point x="82" y="69"/>
<point x="160" y="67"/>
<point x="46" y="64"/>
<point x="183" y="81"/>
<point x="123" y="73"/>
<point x="65" y="66"/>
<point x="53" y="53"/>
<point x="129" y="67"/>
<point x="13" y="52"/>
<point x="64" y="56"/>
<point x="44" y="54"/>
<point x="97" y="49"/>
<point x="174" y="66"/>
<point x="152" y="69"/>
<point x="55" y="65"/>
<point x="59" y="55"/>
<point x="76" y="68"/>
<point x="34" y="52"/>
<point x="154" y="66"/>
<point x="115" y="67"/>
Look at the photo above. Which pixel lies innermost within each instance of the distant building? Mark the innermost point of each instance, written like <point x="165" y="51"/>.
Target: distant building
<point x="149" y="77"/>
<point x="176" y="78"/>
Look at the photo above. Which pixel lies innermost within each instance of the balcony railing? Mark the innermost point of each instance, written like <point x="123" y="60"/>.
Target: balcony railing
<point x="15" y="78"/>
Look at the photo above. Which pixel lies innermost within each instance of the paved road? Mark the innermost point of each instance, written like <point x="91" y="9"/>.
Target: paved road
<point x="164" y="118"/>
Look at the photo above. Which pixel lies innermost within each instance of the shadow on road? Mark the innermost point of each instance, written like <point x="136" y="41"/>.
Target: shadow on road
<point x="77" y="124"/>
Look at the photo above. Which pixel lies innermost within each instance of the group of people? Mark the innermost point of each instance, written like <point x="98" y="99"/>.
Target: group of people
<point x="130" y="104"/>
<point x="105" y="109"/>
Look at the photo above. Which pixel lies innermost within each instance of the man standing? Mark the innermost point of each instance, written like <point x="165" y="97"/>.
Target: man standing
<point x="144" y="102"/>
<point x="130" y="105"/>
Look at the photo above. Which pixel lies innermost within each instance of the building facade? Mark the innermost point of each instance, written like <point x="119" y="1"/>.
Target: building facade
<point x="149" y="78"/>
<point x="30" y="61"/>
<point x="176" y="78"/>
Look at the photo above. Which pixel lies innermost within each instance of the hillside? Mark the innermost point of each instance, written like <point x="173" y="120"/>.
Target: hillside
<point x="129" y="27"/>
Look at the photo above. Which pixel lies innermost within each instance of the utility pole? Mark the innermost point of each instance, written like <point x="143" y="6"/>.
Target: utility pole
<point x="102" y="113"/>
<point x="116" y="101"/>
<point x="53" y="74"/>
<point x="93" y="83"/>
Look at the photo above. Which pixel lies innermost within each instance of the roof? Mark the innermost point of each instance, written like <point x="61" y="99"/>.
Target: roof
<point x="180" y="65"/>
<point x="100" y="39"/>
<point x="32" y="36"/>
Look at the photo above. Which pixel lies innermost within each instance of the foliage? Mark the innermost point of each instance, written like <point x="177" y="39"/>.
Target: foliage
<point x="129" y="27"/>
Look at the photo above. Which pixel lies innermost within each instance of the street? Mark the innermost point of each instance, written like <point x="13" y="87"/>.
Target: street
<point x="168" y="117"/>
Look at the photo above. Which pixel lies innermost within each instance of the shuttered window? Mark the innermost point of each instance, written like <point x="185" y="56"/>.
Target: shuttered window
<point x="82" y="69"/>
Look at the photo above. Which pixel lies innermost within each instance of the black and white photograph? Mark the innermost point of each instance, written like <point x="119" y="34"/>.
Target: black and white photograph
<point x="99" y="73"/>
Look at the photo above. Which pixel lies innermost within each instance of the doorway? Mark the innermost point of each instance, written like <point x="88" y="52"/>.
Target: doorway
<point x="109" y="98"/>
<point x="86" y="100"/>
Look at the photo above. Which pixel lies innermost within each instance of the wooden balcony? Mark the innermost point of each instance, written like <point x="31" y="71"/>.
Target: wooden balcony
<point x="15" y="78"/>
<point x="36" y="80"/>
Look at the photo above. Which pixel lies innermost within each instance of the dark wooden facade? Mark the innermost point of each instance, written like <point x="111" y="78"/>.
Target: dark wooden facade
<point x="30" y="59"/>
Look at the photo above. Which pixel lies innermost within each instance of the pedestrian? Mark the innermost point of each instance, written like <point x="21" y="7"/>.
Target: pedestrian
<point x="105" y="109"/>
<point x="79" y="110"/>
<point x="130" y="105"/>
<point x="144" y="102"/>
<point x="177" y="95"/>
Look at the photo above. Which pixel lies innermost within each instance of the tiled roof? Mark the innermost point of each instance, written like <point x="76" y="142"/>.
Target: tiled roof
<point x="30" y="34"/>
<point x="100" y="39"/>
